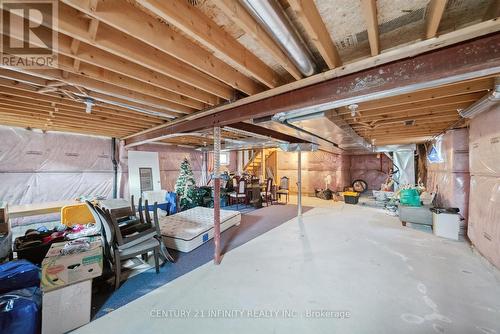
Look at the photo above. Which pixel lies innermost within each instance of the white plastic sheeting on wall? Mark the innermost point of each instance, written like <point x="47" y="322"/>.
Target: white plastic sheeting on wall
<point x="484" y="208"/>
<point x="405" y="163"/>
<point x="449" y="177"/>
<point x="40" y="167"/>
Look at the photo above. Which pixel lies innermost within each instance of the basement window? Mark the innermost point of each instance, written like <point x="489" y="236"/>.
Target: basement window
<point x="224" y="158"/>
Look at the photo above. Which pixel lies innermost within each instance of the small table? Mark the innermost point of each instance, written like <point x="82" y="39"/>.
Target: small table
<point x="253" y="193"/>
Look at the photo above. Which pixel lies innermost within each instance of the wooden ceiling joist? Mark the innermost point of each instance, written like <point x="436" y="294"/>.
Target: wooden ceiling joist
<point x="32" y="124"/>
<point x="38" y="77"/>
<point x="92" y="55"/>
<point x="106" y="61"/>
<point x="202" y="29"/>
<point x="119" y="92"/>
<point x="61" y="118"/>
<point x="108" y="39"/>
<point x="402" y="116"/>
<point x="22" y="98"/>
<point x="369" y="9"/>
<point x="471" y="86"/>
<point x="310" y="18"/>
<point x="239" y="15"/>
<point x="113" y="121"/>
<point x="25" y="94"/>
<point x="434" y="14"/>
<point x="104" y="76"/>
<point x="123" y="16"/>
<point x="445" y="102"/>
<point x="126" y="47"/>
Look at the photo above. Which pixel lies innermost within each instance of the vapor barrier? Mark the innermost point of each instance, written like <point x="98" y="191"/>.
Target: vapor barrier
<point x="40" y="167"/>
<point x="484" y="214"/>
<point x="449" y="175"/>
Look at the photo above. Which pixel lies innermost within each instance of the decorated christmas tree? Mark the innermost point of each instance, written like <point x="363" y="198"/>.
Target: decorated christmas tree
<point x="185" y="187"/>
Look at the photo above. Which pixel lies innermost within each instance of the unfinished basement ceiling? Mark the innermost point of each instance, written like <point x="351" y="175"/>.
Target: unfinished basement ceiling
<point x="145" y="63"/>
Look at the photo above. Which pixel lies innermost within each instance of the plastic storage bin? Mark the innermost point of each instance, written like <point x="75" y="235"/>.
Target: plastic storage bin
<point x="351" y="197"/>
<point x="409" y="197"/>
<point x="76" y="214"/>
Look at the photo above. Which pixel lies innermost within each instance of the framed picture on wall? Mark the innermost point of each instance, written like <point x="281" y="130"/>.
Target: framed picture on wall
<point x="146" y="179"/>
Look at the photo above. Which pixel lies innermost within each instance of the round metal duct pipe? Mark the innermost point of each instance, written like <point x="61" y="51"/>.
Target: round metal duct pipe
<point x="272" y="17"/>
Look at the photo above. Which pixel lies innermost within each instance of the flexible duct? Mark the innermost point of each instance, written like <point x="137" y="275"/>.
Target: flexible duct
<point x="272" y="17"/>
<point x="484" y="103"/>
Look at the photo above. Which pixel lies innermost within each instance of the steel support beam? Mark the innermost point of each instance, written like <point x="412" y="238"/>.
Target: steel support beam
<point x="459" y="62"/>
<point x="299" y="183"/>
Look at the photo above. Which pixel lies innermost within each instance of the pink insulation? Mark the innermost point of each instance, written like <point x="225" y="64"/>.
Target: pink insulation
<point x="316" y="166"/>
<point x="484" y="213"/>
<point x="450" y="178"/>
<point x="370" y="168"/>
<point x="38" y="167"/>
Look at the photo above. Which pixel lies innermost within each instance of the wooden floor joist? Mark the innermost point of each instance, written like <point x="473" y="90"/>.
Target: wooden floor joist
<point x="449" y="62"/>
<point x="200" y="28"/>
<point x="310" y="18"/>
<point x="156" y="68"/>
<point x="125" y="17"/>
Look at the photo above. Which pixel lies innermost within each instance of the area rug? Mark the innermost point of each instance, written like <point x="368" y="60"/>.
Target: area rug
<point x="253" y="224"/>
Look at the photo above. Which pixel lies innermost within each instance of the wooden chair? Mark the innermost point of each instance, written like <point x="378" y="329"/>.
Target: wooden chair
<point x="235" y="180"/>
<point x="240" y="193"/>
<point x="283" y="188"/>
<point x="121" y="248"/>
<point x="156" y="223"/>
<point x="267" y="195"/>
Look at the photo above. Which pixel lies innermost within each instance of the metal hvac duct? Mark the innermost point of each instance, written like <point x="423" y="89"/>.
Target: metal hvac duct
<point x="272" y="17"/>
<point x="484" y="103"/>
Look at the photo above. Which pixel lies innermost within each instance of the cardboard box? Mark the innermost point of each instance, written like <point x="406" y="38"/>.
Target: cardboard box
<point x="4" y="218"/>
<point x="66" y="308"/>
<point x="60" y="268"/>
<point x="58" y="248"/>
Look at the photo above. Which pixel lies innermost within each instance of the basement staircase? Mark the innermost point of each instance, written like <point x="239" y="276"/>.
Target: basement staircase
<point x="255" y="164"/>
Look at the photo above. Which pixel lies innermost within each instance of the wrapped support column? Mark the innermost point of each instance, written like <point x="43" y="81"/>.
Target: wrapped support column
<point x="217" y="246"/>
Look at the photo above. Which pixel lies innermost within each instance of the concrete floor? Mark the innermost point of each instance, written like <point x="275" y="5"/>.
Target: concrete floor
<point x="356" y="264"/>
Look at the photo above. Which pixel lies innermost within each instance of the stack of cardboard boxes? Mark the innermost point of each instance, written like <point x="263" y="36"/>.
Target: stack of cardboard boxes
<point x="5" y="233"/>
<point x="66" y="281"/>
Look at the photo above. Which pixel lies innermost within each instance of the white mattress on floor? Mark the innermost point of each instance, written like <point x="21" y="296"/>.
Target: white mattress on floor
<point x="189" y="229"/>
